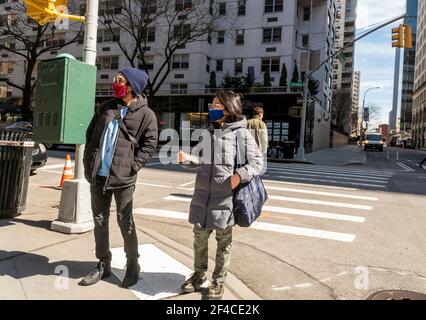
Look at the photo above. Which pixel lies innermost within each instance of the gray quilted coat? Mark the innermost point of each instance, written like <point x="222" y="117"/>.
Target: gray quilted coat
<point x="211" y="206"/>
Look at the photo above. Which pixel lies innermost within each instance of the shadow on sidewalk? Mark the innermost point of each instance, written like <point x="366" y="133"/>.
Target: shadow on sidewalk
<point x="26" y="265"/>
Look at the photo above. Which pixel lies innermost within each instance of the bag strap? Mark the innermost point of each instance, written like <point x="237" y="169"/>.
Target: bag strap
<point x="119" y="118"/>
<point x="237" y="164"/>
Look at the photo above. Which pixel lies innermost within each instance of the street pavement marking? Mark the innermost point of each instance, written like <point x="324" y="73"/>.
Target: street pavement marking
<point x="310" y="185"/>
<point x="50" y="171"/>
<point x="330" y="181"/>
<point x="315" y="214"/>
<point x="161" y="275"/>
<point x="333" y="169"/>
<point x="405" y="167"/>
<point x="337" y="172"/>
<point x="320" y="193"/>
<point x="311" y="233"/>
<point x="298" y="212"/>
<point x="163" y="186"/>
<point x="337" y="175"/>
<point x="323" y="175"/>
<point x="322" y="203"/>
<point x="53" y="166"/>
<point x="187" y="184"/>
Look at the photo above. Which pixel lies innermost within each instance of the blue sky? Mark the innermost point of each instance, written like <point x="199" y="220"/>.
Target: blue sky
<point x="374" y="55"/>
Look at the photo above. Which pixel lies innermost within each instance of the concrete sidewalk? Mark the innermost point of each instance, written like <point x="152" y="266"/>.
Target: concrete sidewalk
<point x="339" y="156"/>
<point x="36" y="263"/>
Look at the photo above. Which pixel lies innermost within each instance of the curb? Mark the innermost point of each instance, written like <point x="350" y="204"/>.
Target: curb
<point x="235" y="285"/>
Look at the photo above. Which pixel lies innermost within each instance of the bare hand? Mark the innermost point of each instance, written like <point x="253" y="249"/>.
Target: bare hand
<point x="235" y="181"/>
<point x="181" y="157"/>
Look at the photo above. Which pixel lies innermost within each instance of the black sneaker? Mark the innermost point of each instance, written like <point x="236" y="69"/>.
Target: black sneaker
<point x="132" y="273"/>
<point x="216" y="290"/>
<point x="194" y="283"/>
<point x="102" y="271"/>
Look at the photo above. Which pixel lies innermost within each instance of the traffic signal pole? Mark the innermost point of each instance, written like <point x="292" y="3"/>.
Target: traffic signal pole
<point x="89" y="57"/>
<point x="75" y="214"/>
<point x="301" y="151"/>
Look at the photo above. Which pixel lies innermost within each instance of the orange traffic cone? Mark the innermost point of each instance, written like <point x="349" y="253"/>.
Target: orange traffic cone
<point x="67" y="174"/>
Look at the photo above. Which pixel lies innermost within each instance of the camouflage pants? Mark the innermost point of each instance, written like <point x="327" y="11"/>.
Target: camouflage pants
<point x="223" y="252"/>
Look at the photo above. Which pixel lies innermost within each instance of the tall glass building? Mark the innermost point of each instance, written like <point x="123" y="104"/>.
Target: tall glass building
<point x="408" y="70"/>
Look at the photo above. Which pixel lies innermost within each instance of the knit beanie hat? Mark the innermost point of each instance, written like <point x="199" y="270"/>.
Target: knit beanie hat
<point x="138" y="79"/>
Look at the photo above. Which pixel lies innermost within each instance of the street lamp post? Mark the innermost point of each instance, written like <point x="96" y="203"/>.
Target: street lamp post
<point x="301" y="150"/>
<point x="363" y="106"/>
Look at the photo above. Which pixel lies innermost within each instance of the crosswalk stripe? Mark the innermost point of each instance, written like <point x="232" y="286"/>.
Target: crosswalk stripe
<point x="323" y="203"/>
<point x="330" y="174"/>
<point x="308" y="213"/>
<point x="330" y="181"/>
<point x="314" y="214"/>
<point x="321" y="193"/>
<point x="332" y="169"/>
<point x="322" y="176"/>
<point x="312" y="233"/>
<point x="318" y="186"/>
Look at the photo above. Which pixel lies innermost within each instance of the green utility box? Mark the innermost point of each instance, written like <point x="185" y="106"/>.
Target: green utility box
<point x="65" y="100"/>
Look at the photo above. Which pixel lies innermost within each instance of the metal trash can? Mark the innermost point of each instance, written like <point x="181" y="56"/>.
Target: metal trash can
<point x="288" y="151"/>
<point x="15" y="164"/>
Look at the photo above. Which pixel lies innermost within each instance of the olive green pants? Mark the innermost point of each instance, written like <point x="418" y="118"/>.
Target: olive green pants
<point x="223" y="251"/>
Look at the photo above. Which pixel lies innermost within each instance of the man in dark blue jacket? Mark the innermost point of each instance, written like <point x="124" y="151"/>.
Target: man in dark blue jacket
<point x="121" y="139"/>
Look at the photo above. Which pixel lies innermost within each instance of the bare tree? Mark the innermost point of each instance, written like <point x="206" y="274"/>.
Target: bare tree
<point x="342" y="110"/>
<point x="22" y="37"/>
<point x="174" y="24"/>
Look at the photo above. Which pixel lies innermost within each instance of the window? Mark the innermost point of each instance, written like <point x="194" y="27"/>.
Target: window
<point x="107" y="63"/>
<point x="272" y="35"/>
<point x="109" y="8"/>
<point x="306" y="13"/>
<point x="180" y="88"/>
<point x="219" y="65"/>
<point x="305" y="40"/>
<point x="103" y="89"/>
<point x="180" y="61"/>
<point x="242" y="8"/>
<point x="57" y="41"/>
<point x="211" y="4"/>
<point x="6" y="67"/>
<point x="238" y="66"/>
<point x="183" y="4"/>
<point x="240" y="37"/>
<point x="271" y="64"/>
<point x="151" y="6"/>
<point x="273" y="6"/>
<point x="150" y="34"/>
<point x="208" y="64"/>
<point x="149" y="63"/>
<point x="182" y="31"/>
<point x="106" y="35"/>
<point x="222" y="8"/>
<point x="221" y="37"/>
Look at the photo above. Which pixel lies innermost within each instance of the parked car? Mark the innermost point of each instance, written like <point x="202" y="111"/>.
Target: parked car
<point x="39" y="152"/>
<point x="374" y="141"/>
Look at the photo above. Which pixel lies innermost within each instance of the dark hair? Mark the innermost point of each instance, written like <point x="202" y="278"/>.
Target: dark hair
<point x="233" y="103"/>
<point x="258" y="111"/>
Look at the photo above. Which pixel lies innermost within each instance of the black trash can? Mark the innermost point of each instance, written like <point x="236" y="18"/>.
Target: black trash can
<point x="15" y="165"/>
<point x="288" y="147"/>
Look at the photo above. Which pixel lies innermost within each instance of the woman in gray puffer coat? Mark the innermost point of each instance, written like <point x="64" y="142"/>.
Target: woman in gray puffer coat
<point x="217" y="177"/>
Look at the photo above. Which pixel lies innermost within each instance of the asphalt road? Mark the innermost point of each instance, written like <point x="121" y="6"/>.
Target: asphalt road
<point x="327" y="232"/>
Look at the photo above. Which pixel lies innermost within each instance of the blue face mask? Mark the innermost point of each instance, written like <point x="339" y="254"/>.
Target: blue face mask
<point x="216" y="115"/>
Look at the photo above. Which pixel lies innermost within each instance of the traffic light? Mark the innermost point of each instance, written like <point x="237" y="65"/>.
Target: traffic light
<point x="402" y="37"/>
<point x="398" y="37"/>
<point x="45" y="11"/>
<point x="408" y="37"/>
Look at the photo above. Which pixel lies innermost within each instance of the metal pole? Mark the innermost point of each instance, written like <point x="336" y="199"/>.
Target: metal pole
<point x="363" y="106"/>
<point x="301" y="150"/>
<point x="89" y="57"/>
